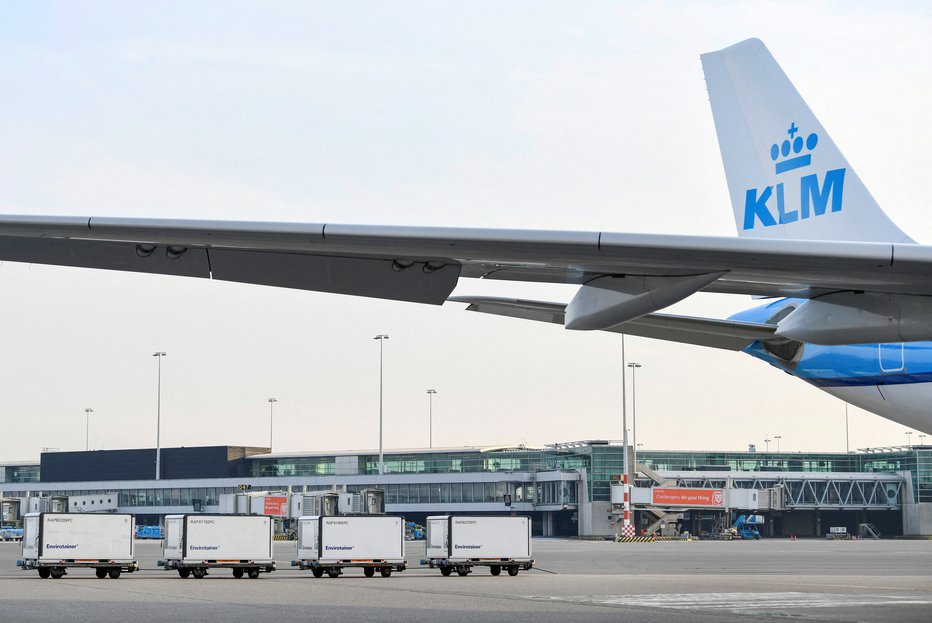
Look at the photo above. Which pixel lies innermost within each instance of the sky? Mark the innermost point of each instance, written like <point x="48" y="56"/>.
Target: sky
<point x="546" y="115"/>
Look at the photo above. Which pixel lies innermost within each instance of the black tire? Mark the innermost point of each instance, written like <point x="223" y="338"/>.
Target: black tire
<point x="57" y="573"/>
<point x="101" y="572"/>
<point x="513" y="571"/>
<point x="368" y="571"/>
<point x="318" y="572"/>
<point x="495" y="569"/>
<point x="462" y="571"/>
<point x="44" y="573"/>
<point x="238" y="572"/>
<point x="386" y="572"/>
<point x="446" y="571"/>
<point x="333" y="572"/>
<point x="253" y="573"/>
<point x="114" y="573"/>
<point x="199" y="572"/>
<point x="184" y="573"/>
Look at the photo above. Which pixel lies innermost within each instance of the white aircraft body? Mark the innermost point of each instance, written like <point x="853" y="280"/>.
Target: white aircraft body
<point x="851" y="310"/>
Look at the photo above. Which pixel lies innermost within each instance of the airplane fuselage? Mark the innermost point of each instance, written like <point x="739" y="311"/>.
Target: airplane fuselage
<point x="891" y="380"/>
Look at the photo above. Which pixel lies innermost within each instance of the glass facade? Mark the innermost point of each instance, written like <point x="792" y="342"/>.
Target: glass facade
<point x="21" y="473"/>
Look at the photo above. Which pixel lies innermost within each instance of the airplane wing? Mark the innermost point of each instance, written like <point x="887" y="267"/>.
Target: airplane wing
<point x="424" y="264"/>
<point x="724" y="334"/>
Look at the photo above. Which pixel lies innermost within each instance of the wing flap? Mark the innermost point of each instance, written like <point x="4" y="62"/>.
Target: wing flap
<point x="415" y="282"/>
<point x="724" y="334"/>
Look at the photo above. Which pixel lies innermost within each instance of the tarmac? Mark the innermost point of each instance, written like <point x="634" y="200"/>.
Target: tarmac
<point x="573" y="580"/>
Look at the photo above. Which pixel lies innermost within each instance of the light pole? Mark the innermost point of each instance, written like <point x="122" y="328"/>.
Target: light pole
<point x="909" y="438"/>
<point x="778" y="438"/>
<point x="766" y="445"/>
<point x="272" y="402"/>
<point x="430" y="417"/>
<point x="624" y="411"/>
<point x="626" y="517"/>
<point x="634" y="413"/>
<point x="158" y="420"/>
<point x="381" y="338"/>
<point x="847" y="444"/>
<point x="87" y="428"/>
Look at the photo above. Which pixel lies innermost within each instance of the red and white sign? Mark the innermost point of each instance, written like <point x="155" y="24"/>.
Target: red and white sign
<point x="276" y="506"/>
<point x="686" y="496"/>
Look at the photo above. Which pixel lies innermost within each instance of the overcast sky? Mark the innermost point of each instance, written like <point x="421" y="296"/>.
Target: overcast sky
<point x="555" y="115"/>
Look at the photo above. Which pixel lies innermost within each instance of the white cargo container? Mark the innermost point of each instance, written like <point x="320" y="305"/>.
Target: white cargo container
<point x="195" y="543"/>
<point x="55" y="542"/>
<point x="330" y="544"/>
<point x="458" y="543"/>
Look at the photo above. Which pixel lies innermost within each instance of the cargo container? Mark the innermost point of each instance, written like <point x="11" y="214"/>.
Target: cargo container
<point x="459" y="543"/>
<point x="195" y="543"/>
<point x="56" y="542"/>
<point x="331" y="544"/>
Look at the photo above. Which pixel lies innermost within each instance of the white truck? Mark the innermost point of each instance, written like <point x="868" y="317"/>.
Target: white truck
<point x="195" y="543"/>
<point x="460" y="542"/>
<point x="55" y="542"/>
<point x="330" y="544"/>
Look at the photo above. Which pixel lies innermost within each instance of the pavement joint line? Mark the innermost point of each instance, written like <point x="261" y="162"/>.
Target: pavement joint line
<point x="714" y="615"/>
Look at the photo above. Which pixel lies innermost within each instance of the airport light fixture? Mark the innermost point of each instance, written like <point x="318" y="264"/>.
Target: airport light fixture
<point x="778" y="438"/>
<point x="430" y="417"/>
<point x="634" y="412"/>
<point x="909" y="438"/>
<point x="381" y="338"/>
<point x="87" y="428"/>
<point x="272" y="402"/>
<point x="158" y="420"/>
<point x="767" y="445"/>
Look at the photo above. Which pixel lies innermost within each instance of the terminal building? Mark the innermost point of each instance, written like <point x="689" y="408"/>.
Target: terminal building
<point x="568" y="489"/>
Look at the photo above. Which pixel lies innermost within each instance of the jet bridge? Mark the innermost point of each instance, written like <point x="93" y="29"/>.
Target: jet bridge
<point x="802" y="490"/>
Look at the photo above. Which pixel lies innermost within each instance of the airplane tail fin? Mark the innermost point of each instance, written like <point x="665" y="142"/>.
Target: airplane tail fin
<point x="786" y="177"/>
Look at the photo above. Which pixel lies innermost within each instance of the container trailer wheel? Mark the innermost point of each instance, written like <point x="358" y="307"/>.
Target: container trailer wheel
<point x="57" y="572"/>
<point x="44" y="572"/>
<point x="462" y="571"/>
<point x="114" y="573"/>
<point x="386" y="572"/>
<point x="333" y="572"/>
<point x="199" y="572"/>
<point x="446" y="571"/>
<point x="101" y="572"/>
<point x="368" y="571"/>
<point x="512" y="571"/>
<point x="253" y="573"/>
<point x="237" y="572"/>
<point x="184" y="573"/>
<point x="495" y="569"/>
<point x="318" y="572"/>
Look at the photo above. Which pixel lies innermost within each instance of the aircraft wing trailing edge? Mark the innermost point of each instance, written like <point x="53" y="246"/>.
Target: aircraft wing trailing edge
<point x="724" y="334"/>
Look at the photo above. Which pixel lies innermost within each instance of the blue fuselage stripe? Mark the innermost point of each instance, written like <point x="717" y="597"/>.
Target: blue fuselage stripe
<point x="861" y="381"/>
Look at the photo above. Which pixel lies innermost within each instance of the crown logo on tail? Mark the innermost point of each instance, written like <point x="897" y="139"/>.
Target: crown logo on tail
<point x="795" y="145"/>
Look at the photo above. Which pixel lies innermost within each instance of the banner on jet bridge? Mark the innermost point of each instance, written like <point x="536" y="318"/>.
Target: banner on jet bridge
<point x="686" y="496"/>
<point x="276" y="506"/>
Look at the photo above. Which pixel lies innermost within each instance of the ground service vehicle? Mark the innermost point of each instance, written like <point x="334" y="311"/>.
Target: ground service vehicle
<point x="745" y="527"/>
<point x="459" y="543"/>
<point x="195" y="543"/>
<point x="56" y="542"/>
<point x="330" y="544"/>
